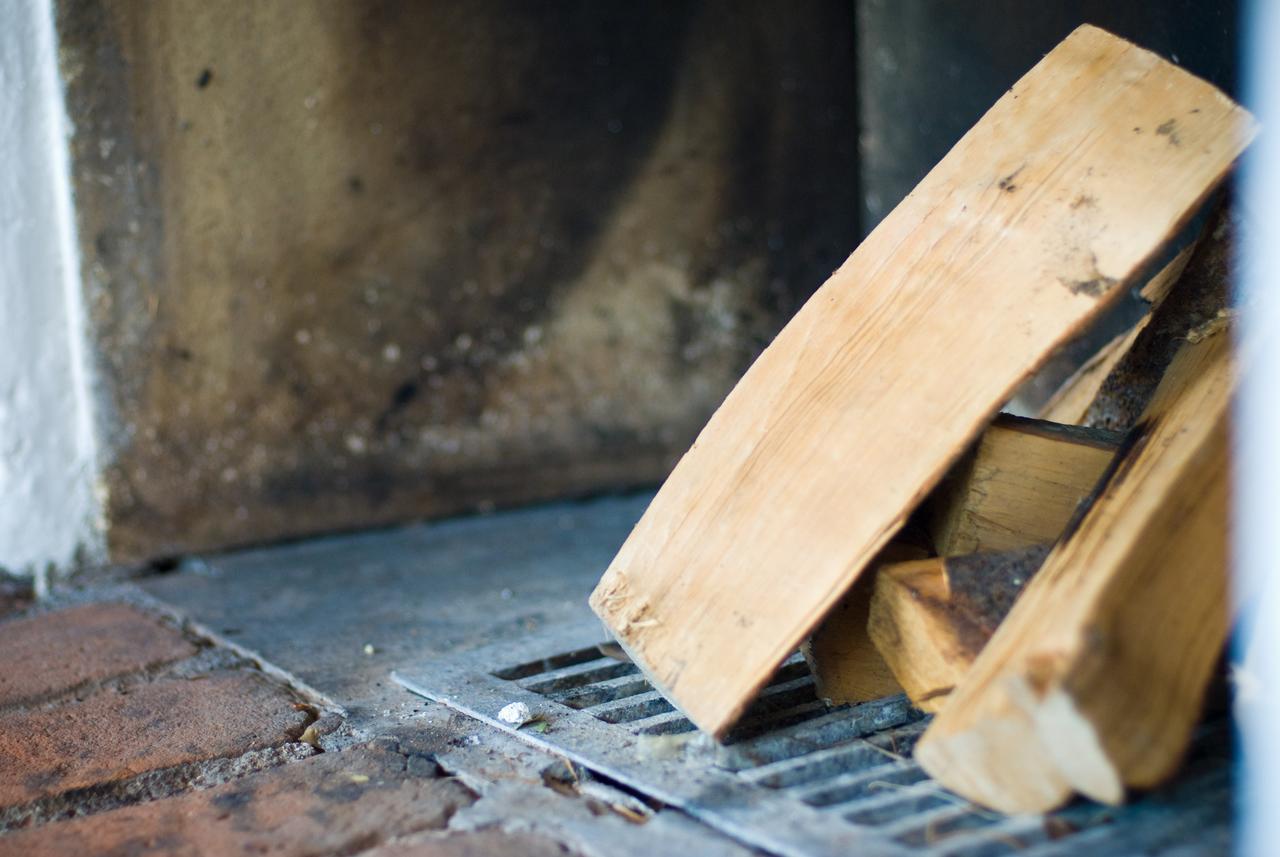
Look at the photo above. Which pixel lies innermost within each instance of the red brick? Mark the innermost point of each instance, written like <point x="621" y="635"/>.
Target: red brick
<point x="52" y="652"/>
<point x="116" y="733"/>
<point x="334" y="803"/>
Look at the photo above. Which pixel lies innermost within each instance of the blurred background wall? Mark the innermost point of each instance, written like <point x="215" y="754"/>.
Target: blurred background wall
<point x="350" y="263"/>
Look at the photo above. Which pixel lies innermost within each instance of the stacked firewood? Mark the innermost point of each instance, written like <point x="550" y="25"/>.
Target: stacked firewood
<point x="1055" y="590"/>
<point x="1092" y="679"/>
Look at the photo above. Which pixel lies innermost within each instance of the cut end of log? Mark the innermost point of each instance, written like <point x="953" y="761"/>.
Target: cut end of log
<point x="997" y="762"/>
<point x="1072" y="742"/>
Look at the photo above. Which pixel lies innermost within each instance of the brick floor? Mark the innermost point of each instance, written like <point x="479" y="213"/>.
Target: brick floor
<point x="118" y="736"/>
<point x="50" y="653"/>
<point x="115" y="733"/>
<point x="335" y="803"/>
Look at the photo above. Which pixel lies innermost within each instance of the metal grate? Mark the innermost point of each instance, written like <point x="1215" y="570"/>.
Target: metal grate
<point x="800" y="777"/>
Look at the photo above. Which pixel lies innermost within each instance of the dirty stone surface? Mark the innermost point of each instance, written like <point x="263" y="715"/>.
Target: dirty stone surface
<point x="257" y="716"/>
<point x="479" y="254"/>
<point x="341" y="613"/>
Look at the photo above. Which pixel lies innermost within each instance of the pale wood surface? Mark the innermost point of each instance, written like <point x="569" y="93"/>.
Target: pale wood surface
<point x="1097" y="677"/>
<point x="930" y="619"/>
<point x="910" y="627"/>
<point x="1071" y="401"/>
<point x="1061" y="193"/>
<point x="846" y="666"/>
<point x="1020" y="486"/>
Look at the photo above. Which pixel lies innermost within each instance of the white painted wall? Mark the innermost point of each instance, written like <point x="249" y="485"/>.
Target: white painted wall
<point x="48" y="512"/>
<point x="1257" y="436"/>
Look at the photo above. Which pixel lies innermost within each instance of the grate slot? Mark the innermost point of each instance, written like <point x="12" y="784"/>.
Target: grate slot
<point x="780" y="696"/>
<point x="792" y="668"/>
<point x="547" y="664"/>
<point x="667" y="723"/>
<point x="577" y="675"/>
<point x="821" y="765"/>
<point x="934" y="827"/>
<point x="792" y="716"/>
<point x="835" y="727"/>
<point x="856" y="786"/>
<point x="894" y="805"/>
<point x="632" y="708"/>
<point x="601" y="692"/>
<point x="1008" y="836"/>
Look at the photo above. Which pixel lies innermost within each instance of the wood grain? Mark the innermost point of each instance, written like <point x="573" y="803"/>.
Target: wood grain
<point x="1020" y="235"/>
<point x="1097" y="677"/>
<point x="1019" y="487"/>
<point x="847" y="667"/>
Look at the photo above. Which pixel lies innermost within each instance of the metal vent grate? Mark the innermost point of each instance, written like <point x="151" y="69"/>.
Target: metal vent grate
<point x="615" y="692"/>
<point x="798" y="776"/>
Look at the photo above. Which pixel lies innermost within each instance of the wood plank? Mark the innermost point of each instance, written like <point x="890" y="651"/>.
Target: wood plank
<point x="1019" y="236"/>
<point x="1019" y="487"/>
<point x="930" y="619"/>
<point x="1070" y="403"/>
<point x="1097" y="677"/>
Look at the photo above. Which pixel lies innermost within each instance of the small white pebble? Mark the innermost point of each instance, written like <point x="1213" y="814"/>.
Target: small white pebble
<point x="515" y="714"/>
<point x="369" y="649"/>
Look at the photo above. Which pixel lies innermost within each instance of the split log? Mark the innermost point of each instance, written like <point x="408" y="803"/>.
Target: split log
<point x="1018" y="487"/>
<point x="1097" y="677"/>
<point x="930" y="619"/>
<point x="1025" y="231"/>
